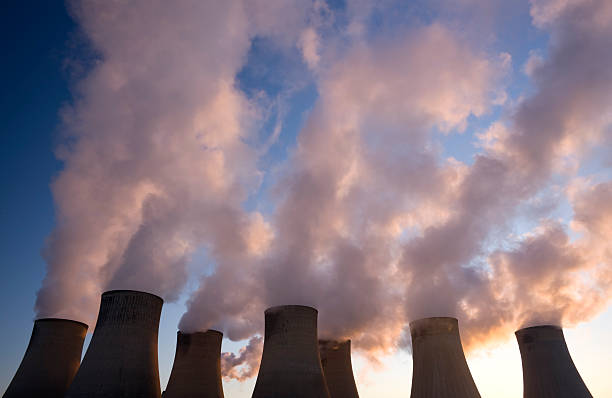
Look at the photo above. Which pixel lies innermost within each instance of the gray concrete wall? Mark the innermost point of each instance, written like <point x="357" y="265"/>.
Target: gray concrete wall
<point x="548" y="369"/>
<point x="51" y="359"/>
<point x="196" y="372"/>
<point x="121" y="360"/>
<point x="439" y="366"/>
<point x="337" y="368"/>
<point x="290" y="364"/>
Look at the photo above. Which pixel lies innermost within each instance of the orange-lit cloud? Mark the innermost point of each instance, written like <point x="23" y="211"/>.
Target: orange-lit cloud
<point x="372" y="223"/>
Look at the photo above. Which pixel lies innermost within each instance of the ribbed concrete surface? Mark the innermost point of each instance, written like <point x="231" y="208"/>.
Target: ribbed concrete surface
<point x="548" y="369"/>
<point x="337" y="368"/>
<point x="121" y="360"/>
<point x="439" y="366"/>
<point x="290" y="364"/>
<point x="196" y="372"/>
<point x="51" y="359"/>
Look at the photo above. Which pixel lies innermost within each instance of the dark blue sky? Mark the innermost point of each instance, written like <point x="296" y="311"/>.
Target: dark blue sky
<point x="35" y="37"/>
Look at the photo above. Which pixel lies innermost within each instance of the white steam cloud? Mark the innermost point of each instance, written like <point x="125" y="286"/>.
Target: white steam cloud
<point x="372" y="223"/>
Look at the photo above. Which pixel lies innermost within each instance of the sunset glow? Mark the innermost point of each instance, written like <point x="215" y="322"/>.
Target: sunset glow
<point x="381" y="161"/>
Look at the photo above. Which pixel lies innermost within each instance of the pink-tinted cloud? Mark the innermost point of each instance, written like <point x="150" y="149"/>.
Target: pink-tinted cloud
<point x="550" y="279"/>
<point x="374" y="228"/>
<point x="364" y="170"/>
<point x="565" y="117"/>
<point x="372" y="223"/>
<point x="157" y="163"/>
<point x="244" y="365"/>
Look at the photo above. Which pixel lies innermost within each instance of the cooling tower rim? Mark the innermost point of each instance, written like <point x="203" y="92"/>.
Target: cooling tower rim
<point x="277" y="308"/>
<point x="326" y="341"/>
<point x="213" y="331"/>
<point x="434" y="326"/>
<point x="538" y="327"/>
<point x="433" y="319"/>
<point x="334" y="345"/>
<point x="62" y="320"/>
<point x="119" y="291"/>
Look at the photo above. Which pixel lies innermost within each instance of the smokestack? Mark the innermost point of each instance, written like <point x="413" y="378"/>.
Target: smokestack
<point x="548" y="369"/>
<point x="439" y="366"/>
<point x="337" y="368"/>
<point x="290" y="364"/>
<point x="197" y="366"/>
<point x="121" y="360"/>
<point x="50" y="361"/>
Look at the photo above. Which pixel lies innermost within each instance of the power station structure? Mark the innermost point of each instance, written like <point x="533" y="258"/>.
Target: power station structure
<point x="548" y="369"/>
<point x="121" y="360"/>
<point x="196" y="372"/>
<point x="337" y="368"/>
<point x="439" y="366"/>
<point x="290" y="364"/>
<point x="50" y="361"/>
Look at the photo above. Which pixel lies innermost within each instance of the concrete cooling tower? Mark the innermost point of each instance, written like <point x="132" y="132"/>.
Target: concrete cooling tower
<point x="51" y="359"/>
<point x="439" y="366"/>
<point x="337" y="368"/>
<point x="121" y="360"/>
<point x="290" y="364"/>
<point x="548" y="369"/>
<point x="196" y="372"/>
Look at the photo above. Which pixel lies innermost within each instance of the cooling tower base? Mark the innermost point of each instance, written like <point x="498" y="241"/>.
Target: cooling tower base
<point x="439" y="366"/>
<point x="548" y="369"/>
<point x="196" y="371"/>
<point x="290" y="364"/>
<point x="51" y="359"/>
<point x="121" y="360"/>
<point x="337" y="368"/>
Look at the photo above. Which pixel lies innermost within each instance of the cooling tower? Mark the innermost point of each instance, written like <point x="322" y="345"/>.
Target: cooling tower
<point x="290" y="364"/>
<point x="548" y="369"/>
<point x="196" y="372"/>
<point x="337" y="368"/>
<point x="121" y="360"/>
<point x="51" y="359"/>
<point x="439" y="366"/>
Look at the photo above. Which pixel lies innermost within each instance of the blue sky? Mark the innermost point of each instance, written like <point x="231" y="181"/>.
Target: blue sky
<point x="36" y="85"/>
<point x="301" y="121"/>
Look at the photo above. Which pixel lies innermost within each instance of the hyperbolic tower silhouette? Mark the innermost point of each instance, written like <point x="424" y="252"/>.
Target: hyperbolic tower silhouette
<point x="290" y="364"/>
<point x="548" y="369"/>
<point x="439" y="366"/>
<point x="196" y="371"/>
<point x="121" y="360"/>
<point x="51" y="359"/>
<point x="337" y="368"/>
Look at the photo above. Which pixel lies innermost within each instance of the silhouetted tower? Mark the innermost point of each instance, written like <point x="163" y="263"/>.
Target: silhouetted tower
<point x="548" y="369"/>
<point x="51" y="359"/>
<point x="196" y="372"/>
<point x="439" y="366"/>
<point x="337" y="368"/>
<point x="121" y="360"/>
<point x="290" y="364"/>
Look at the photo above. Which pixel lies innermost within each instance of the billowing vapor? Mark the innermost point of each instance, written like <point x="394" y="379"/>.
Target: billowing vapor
<point x="372" y="221"/>
<point x="157" y="163"/>
<point x="375" y="227"/>
<point x="244" y="365"/>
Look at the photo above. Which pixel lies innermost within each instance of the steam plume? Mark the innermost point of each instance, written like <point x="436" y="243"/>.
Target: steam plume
<point x="372" y="222"/>
<point x="368" y="204"/>
<point x="157" y="163"/>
